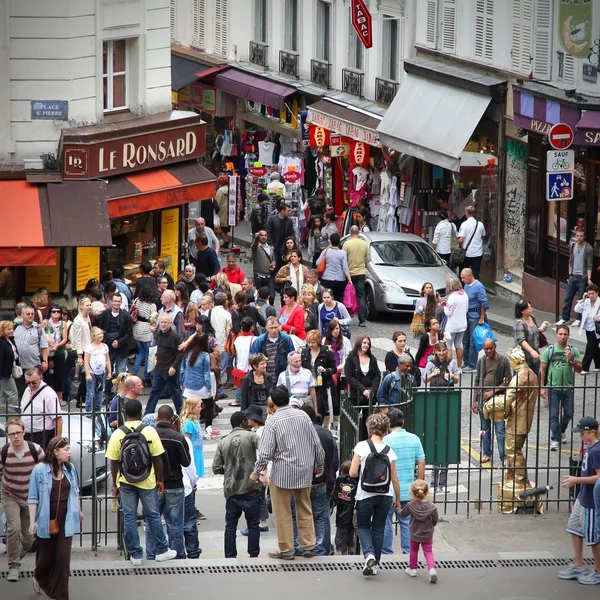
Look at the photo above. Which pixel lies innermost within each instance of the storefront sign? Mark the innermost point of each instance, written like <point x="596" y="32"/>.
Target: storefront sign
<point x="343" y="128"/>
<point x="49" y="110"/>
<point x="169" y="239"/>
<point x="292" y="176"/>
<point x="362" y="22"/>
<point x="590" y="73"/>
<point x="359" y="153"/>
<point x="203" y="97"/>
<point x="339" y="145"/>
<point x="48" y="277"/>
<point x="318" y="136"/>
<point x="232" y="206"/>
<point x="88" y="266"/>
<point x="575" y="27"/>
<point x="258" y="171"/>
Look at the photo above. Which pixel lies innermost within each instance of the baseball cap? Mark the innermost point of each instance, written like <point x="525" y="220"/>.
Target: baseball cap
<point x="586" y="424"/>
<point x="295" y="403"/>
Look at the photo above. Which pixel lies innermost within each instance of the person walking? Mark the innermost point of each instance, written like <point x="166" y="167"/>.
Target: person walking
<point x="98" y="369"/>
<point x="589" y="309"/>
<point x="336" y="274"/>
<point x="8" y="359"/>
<point x="56" y="334"/>
<point x="235" y="458"/>
<point x="291" y="316"/>
<point x="54" y="517"/>
<point x="263" y="260"/>
<point x="190" y="519"/>
<point x="455" y="307"/>
<point x="581" y="263"/>
<point x="374" y="464"/>
<point x="275" y="345"/>
<point x="330" y="227"/>
<point x="359" y="255"/>
<point x="280" y="227"/>
<point x="81" y="337"/>
<point x="201" y="228"/>
<point x="478" y="305"/>
<point x="291" y="443"/>
<point x="317" y="241"/>
<point x="559" y="363"/>
<point x="293" y="274"/>
<point x="256" y="383"/>
<point x="329" y="309"/>
<point x="470" y="238"/>
<point x="362" y="372"/>
<point x="443" y="234"/>
<point x="527" y="334"/>
<point x="423" y="519"/>
<point x="17" y="460"/>
<point x="143" y="307"/>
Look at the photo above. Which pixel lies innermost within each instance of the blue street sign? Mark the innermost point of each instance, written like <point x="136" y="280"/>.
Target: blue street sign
<point x="50" y="110"/>
<point x="559" y="186"/>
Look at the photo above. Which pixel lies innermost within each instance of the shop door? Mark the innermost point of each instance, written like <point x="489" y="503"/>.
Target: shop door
<point x="534" y="206"/>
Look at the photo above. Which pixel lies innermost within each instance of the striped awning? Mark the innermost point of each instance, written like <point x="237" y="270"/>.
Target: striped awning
<point x="536" y="114"/>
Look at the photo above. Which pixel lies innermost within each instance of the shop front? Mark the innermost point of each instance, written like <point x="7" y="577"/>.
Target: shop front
<point x="441" y="137"/>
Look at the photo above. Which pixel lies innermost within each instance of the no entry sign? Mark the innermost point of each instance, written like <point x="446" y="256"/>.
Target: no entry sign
<point x="560" y="136"/>
<point x="362" y="23"/>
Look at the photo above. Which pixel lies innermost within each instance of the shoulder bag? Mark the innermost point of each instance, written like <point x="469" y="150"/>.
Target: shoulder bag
<point x="54" y="527"/>
<point x="459" y="254"/>
<point x="321" y="267"/>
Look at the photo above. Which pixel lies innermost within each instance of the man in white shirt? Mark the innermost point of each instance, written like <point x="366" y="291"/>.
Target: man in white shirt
<point x="210" y="234"/>
<point x="442" y="236"/>
<point x="276" y="186"/>
<point x="470" y="237"/>
<point x="220" y="319"/>
<point x="298" y="380"/>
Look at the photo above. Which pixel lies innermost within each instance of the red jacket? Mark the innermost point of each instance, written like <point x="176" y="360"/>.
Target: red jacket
<point x="235" y="276"/>
<point x="296" y="321"/>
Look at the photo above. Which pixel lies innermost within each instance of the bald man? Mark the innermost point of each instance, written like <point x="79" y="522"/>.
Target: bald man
<point x="201" y="227"/>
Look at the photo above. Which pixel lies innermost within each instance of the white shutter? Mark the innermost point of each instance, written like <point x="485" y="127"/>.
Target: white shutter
<point x="222" y="28"/>
<point x="522" y="36"/>
<point x="542" y="50"/>
<point x="432" y="23"/>
<point x="198" y="24"/>
<point x="449" y="26"/>
<point x="484" y="29"/>
<point x="569" y="71"/>
<point x="173" y="19"/>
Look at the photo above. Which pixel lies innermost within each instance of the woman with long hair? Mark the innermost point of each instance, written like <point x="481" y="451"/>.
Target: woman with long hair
<point x="243" y="309"/>
<point x="188" y="308"/>
<point x="400" y="348"/>
<point x="330" y="309"/>
<point x="362" y="372"/>
<point x="427" y="343"/>
<point x="316" y="242"/>
<point x="289" y="245"/>
<point x="55" y="518"/>
<point x="291" y="316"/>
<point x="340" y="348"/>
<point x="293" y="273"/>
<point x="145" y="306"/>
<point x="56" y="334"/>
<point x="309" y="303"/>
<point x="8" y="357"/>
<point x="191" y="428"/>
<point x="70" y="356"/>
<point x="80" y="338"/>
<point x="417" y="325"/>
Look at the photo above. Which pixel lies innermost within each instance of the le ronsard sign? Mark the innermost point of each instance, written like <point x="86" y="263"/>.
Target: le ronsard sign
<point x="107" y="150"/>
<point x="362" y="22"/>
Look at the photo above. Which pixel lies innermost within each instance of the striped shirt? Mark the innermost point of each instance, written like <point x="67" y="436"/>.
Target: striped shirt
<point x="15" y="473"/>
<point x="409" y="450"/>
<point x="30" y="341"/>
<point x="290" y="441"/>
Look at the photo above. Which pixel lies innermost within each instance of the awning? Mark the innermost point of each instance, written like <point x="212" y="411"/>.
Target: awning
<point x="345" y="120"/>
<point x="211" y="71"/>
<point x="249" y="87"/>
<point x="588" y="129"/>
<point x="537" y="114"/>
<point x="159" y="188"/>
<point x="432" y="120"/>
<point x="183" y="72"/>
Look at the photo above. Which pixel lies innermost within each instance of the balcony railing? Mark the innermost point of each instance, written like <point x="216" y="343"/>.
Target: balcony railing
<point x="320" y="72"/>
<point x="385" y="90"/>
<point x="259" y="54"/>
<point x="289" y="63"/>
<point x="352" y="82"/>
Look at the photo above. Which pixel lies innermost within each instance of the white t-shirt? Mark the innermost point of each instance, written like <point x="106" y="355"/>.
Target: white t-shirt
<point x="242" y="351"/>
<point x="442" y="236"/>
<point x="97" y="358"/>
<point x="275" y="187"/>
<point x="300" y="383"/>
<point x="466" y="229"/>
<point x="265" y="152"/>
<point x="363" y="450"/>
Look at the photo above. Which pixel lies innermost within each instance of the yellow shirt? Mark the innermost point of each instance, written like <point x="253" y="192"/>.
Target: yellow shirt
<point x="113" y="452"/>
<point x="357" y="251"/>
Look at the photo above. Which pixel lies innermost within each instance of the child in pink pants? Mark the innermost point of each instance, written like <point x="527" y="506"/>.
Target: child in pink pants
<point x="423" y="519"/>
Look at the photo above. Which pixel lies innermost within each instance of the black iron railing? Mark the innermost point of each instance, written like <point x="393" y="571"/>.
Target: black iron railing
<point x="320" y="72"/>
<point x="352" y="82"/>
<point x="259" y="54"/>
<point x="289" y="63"/>
<point x="385" y="90"/>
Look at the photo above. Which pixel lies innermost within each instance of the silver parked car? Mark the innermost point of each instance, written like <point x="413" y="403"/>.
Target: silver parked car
<point x="400" y="264"/>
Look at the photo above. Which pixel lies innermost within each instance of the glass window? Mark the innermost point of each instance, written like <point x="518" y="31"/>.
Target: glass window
<point x="114" y="73"/>
<point x="323" y="30"/>
<point x="355" y="47"/>
<point x="390" y="48"/>
<point x="403" y="254"/>
<point x="291" y="25"/>
<point x="260" y="20"/>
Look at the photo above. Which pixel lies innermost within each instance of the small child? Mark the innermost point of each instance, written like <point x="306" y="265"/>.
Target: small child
<point x="191" y="428"/>
<point x="423" y="519"/>
<point x="344" y="492"/>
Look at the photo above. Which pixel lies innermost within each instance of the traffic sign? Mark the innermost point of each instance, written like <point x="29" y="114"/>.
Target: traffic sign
<point x="560" y="136"/>
<point x="560" y="160"/>
<point x="559" y="186"/>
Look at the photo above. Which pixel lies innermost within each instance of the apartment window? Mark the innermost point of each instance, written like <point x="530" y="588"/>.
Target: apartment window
<point x="323" y="30"/>
<point x="260" y="20"/>
<point x="222" y="27"/>
<point x="355" y="47"/>
<point x="390" y="47"/>
<point x="114" y="73"/>
<point x="291" y="25"/>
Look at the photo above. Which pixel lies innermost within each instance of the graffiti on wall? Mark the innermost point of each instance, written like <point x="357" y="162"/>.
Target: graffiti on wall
<point x="514" y="220"/>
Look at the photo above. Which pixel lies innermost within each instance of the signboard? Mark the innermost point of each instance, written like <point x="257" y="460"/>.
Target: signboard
<point x="203" y="97"/>
<point x="362" y="22"/>
<point x="258" y="171"/>
<point x="88" y="266"/>
<point x="575" y="27"/>
<point x="292" y="176"/>
<point x="169" y="239"/>
<point x="560" y="160"/>
<point x="560" y="136"/>
<point x="559" y="186"/>
<point x="48" y="277"/>
<point x="350" y="130"/>
<point x="589" y="73"/>
<point x="49" y="110"/>
<point x="232" y="206"/>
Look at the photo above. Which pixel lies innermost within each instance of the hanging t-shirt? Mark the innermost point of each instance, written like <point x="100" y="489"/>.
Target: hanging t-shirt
<point x="265" y="152"/>
<point x="97" y="358"/>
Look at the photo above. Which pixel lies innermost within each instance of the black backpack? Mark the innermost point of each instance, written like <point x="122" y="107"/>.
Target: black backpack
<point x="377" y="473"/>
<point x="344" y="490"/>
<point x="135" y="462"/>
<point x="32" y="451"/>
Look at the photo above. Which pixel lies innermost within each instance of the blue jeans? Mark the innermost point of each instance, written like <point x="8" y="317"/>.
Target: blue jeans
<point x="320" y="510"/>
<point x="469" y="351"/>
<point x="160" y="380"/>
<point x="558" y="425"/>
<point x="486" y="427"/>
<point x="190" y="527"/>
<point x="249" y="506"/>
<point x="359" y="285"/>
<point x="224" y="365"/>
<point x="575" y="287"/>
<point x="93" y="391"/>
<point x="371" y="514"/>
<point x="142" y="357"/>
<point x="67" y="393"/>
<point x="171" y="506"/>
<point x="388" y="535"/>
<point x="130" y="497"/>
<point x="118" y="362"/>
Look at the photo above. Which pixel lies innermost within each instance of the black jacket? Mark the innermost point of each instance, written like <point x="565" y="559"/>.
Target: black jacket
<point x="358" y="382"/>
<point x="167" y="354"/>
<point x="7" y="357"/>
<point x="176" y="455"/>
<point x="124" y="334"/>
<point x="326" y="360"/>
<point x="248" y="393"/>
<point x="250" y="311"/>
<point x="206" y="262"/>
<point x="328" y="445"/>
<point x="279" y="229"/>
<point x="258" y="218"/>
<point x="391" y="364"/>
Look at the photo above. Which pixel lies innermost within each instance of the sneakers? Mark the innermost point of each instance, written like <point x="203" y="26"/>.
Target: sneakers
<point x="468" y="369"/>
<point x="572" y="572"/>
<point x="375" y="568"/>
<point x="200" y="516"/>
<point x="591" y="578"/>
<point x="554" y="446"/>
<point x="362" y="324"/>
<point x="370" y="562"/>
<point x="560" y="322"/>
<point x="410" y="572"/>
<point x="583" y="372"/>
<point x="563" y="439"/>
<point x="262" y="529"/>
<point x="484" y="459"/>
<point x="168" y="555"/>
<point x="13" y="575"/>
<point x="136" y="562"/>
<point x="576" y="323"/>
<point x="432" y="576"/>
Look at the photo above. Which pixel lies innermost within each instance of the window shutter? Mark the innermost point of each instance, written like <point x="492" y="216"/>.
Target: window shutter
<point x="522" y="36"/>
<point x="484" y="29"/>
<point x="198" y="25"/>
<point x="569" y="72"/>
<point x="432" y="23"/>
<point x="173" y="19"/>
<point x="542" y="51"/>
<point x="222" y="27"/>
<point x="449" y="26"/>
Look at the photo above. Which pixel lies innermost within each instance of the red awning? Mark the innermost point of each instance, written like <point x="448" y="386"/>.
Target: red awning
<point x="27" y="257"/>
<point x="212" y="71"/>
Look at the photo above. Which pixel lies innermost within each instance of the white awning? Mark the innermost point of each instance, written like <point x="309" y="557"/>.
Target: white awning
<point x="432" y="121"/>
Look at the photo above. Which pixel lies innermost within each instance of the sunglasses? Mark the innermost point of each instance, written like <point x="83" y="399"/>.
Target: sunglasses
<point x="58" y="312"/>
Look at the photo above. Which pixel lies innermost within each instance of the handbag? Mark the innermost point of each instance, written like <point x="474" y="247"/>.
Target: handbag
<point x="134" y="312"/>
<point x="54" y="527"/>
<point x="17" y="371"/>
<point x="459" y="254"/>
<point x="151" y="358"/>
<point x="322" y="266"/>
